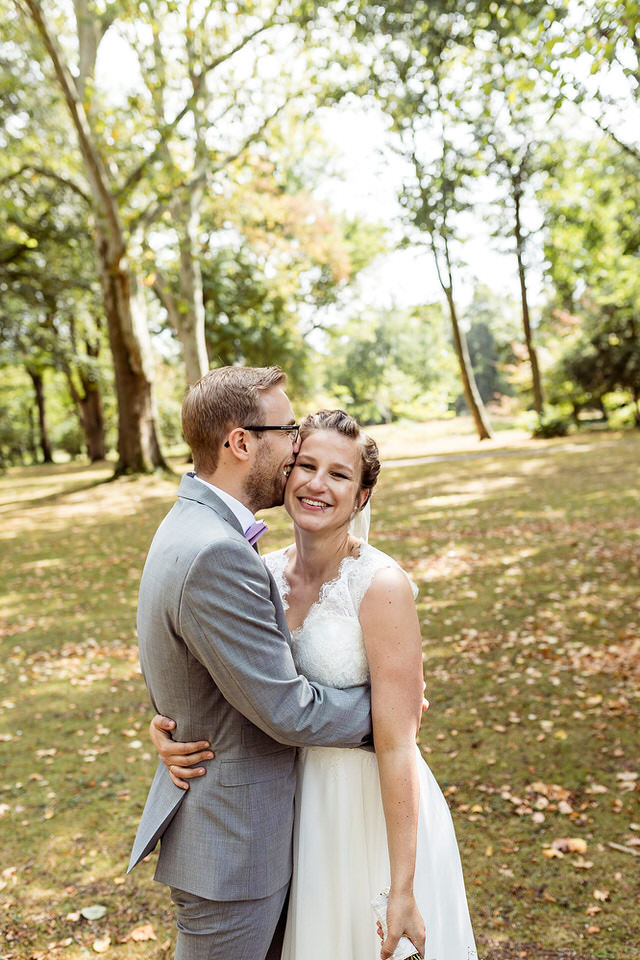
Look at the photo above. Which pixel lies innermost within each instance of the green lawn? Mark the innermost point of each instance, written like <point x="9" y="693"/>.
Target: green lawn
<point x="528" y="562"/>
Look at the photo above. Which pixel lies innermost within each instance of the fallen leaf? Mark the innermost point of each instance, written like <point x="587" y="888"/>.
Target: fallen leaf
<point x="601" y="895"/>
<point x="550" y="852"/>
<point x="139" y="934"/>
<point x="102" y="945"/>
<point x="570" y="845"/>
<point x="94" y="912"/>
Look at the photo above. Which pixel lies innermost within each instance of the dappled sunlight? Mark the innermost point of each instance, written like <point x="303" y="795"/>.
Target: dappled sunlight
<point x="527" y="567"/>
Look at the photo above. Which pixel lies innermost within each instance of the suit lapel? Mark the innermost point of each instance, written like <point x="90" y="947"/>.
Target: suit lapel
<point x="192" y="489"/>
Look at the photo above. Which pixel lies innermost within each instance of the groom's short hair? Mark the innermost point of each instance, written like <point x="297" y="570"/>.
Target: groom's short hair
<point x="224" y="398"/>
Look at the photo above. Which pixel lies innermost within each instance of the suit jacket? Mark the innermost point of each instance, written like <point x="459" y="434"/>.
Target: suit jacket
<point x="215" y="656"/>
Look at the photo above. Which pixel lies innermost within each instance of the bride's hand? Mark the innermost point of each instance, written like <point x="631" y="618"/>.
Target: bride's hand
<point x="403" y="919"/>
<point x="178" y="757"/>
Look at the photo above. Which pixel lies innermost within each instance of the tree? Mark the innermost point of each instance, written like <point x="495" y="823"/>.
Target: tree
<point x="596" y="63"/>
<point x="592" y="243"/>
<point x="138" y="444"/>
<point x="391" y="363"/>
<point x="51" y="304"/>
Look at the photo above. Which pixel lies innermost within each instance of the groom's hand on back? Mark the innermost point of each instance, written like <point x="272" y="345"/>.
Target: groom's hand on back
<point x="180" y="758"/>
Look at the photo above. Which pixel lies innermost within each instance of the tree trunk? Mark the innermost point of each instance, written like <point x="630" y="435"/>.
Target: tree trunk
<point x="538" y="399"/>
<point x="138" y="447"/>
<point x="89" y="405"/>
<point x="186" y="313"/>
<point x="93" y="423"/>
<point x="469" y="385"/>
<point x="191" y="326"/>
<point x="38" y="386"/>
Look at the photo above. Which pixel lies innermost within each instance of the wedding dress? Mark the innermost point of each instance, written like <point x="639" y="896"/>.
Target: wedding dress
<point x="341" y="861"/>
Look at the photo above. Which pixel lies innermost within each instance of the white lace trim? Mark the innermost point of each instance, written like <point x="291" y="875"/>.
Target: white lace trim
<point x="344" y="593"/>
<point x="328" y="646"/>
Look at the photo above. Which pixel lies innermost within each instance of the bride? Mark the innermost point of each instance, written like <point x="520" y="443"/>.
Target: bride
<point x="365" y="821"/>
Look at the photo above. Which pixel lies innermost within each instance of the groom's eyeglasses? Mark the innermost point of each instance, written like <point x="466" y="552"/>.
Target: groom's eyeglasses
<point x="291" y="428"/>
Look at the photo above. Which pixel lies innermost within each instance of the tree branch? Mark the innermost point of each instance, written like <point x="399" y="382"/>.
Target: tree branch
<point x="52" y="175"/>
<point x="164" y="132"/>
<point x="626" y="147"/>
<point x="230" y="157"/>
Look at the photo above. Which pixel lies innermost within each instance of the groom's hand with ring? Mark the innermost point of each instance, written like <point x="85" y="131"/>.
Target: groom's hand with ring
<point x="180" y="758"/>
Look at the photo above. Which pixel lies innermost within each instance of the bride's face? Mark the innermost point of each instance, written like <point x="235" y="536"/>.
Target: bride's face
<point x="324" y="485"/>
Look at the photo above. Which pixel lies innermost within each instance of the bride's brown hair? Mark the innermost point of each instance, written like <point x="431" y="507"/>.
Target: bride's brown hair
<point x="345" y="424"/>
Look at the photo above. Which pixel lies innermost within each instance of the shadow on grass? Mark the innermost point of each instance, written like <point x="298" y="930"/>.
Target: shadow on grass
<point x="528" y="572"/>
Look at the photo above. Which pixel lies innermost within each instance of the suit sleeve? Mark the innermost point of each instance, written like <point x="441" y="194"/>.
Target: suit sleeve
<point x="227" y="620"/>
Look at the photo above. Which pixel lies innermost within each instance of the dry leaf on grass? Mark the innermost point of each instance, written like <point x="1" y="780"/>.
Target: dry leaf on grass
<point x="95" y="912"/>
<point x="601" y="895"/>
<point x="570" y="845"/>
<point x="140" y="934"/>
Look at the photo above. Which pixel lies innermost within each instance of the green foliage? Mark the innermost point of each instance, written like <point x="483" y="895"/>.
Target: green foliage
<point x="592" y="251"/>
<point x="551" y="425"/>
<point x="392" y="364"/>
<point x="18" y="443"/>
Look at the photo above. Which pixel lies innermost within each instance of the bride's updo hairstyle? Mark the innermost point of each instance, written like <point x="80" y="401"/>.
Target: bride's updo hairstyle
<point x="342" y="423"/>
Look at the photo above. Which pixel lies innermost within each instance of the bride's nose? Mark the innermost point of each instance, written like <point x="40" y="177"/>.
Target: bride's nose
<point x="317" y="481"/>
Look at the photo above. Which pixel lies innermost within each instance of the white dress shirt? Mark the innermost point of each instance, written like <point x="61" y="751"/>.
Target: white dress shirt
<point x="243" y="514"/>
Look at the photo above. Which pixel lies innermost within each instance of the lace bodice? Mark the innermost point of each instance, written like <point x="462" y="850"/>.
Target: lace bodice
<point x="328" y="647"/>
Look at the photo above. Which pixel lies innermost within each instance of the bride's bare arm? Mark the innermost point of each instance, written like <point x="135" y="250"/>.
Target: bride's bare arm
<point x="394" y="650"/>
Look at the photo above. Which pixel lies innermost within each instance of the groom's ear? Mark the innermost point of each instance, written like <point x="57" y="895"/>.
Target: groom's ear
<point x="237" y="443"/>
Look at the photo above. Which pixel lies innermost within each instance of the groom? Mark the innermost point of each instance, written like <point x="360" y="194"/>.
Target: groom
<point x="214" y="656"/>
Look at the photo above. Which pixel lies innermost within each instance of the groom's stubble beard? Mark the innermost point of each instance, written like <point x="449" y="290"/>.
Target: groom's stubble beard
<point x="264" y="487"/>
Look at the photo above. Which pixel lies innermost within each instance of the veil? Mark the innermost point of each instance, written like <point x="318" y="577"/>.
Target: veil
<point x="359" y="526"/>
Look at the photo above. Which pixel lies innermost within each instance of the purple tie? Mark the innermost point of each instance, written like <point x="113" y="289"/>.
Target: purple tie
<point x="255" y="531"/>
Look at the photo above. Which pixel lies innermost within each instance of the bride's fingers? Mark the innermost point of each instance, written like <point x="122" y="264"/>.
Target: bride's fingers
<point x="181" y="759"/>
<point x="181" y="775"/>
<point x="187" y="773"/>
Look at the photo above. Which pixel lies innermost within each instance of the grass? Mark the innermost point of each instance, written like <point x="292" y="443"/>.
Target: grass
<point x="527" y="561"/>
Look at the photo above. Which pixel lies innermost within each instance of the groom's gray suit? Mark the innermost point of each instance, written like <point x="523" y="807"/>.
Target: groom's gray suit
<point x="215" y="657"/>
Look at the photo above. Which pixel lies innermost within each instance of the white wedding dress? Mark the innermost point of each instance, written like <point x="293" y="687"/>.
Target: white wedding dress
<point x="341" y="861"/>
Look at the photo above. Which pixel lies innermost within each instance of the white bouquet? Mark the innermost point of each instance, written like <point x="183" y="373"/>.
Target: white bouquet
<point x="405" y="950"/>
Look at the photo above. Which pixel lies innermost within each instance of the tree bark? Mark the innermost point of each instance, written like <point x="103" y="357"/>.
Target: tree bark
<point x="38" y="387"/>
<point x="538" y="399"/>
<point x="138" y="445"/>
<point x="93" y="423"/>
<point x="89" y="404"/>
<point x="469" y="385"/>
<point x="186" y="313"/>
<point x="192" y="328"/>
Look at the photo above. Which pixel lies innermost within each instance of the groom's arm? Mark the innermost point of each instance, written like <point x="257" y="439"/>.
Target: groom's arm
<point x="227" y="620"/>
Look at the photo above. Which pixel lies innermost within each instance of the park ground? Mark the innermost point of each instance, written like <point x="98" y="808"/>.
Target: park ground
<point x="527" y="557"/>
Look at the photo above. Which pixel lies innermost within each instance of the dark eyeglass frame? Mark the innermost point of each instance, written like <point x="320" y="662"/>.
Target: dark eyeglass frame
<point x="293" y="428"/>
